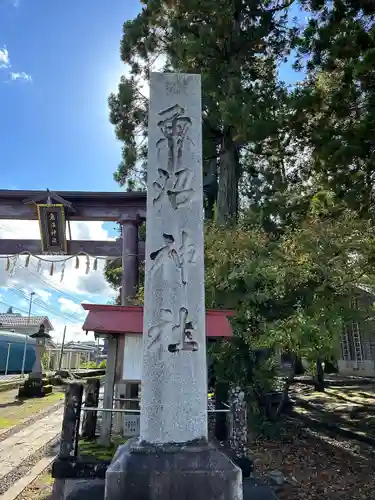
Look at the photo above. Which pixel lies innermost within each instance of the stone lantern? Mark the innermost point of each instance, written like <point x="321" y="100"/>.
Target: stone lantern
<point x="34" y="387"/>
<point x="40" y="337"/>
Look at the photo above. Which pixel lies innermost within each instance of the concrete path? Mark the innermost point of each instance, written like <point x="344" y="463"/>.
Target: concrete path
<point x="18" y="447"/>
<point x="7" y="378"/>
<point x="18" y="487"/>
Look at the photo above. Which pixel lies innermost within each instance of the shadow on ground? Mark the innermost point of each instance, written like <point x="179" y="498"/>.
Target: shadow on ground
<point x="314" y="465"/>
<point x="17" y="402"/>
<point x="349" y="409"/>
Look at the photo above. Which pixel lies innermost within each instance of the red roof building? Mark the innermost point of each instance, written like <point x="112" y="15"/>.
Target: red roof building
<point x="124" y="320"/>
<point x="126" y="323"/>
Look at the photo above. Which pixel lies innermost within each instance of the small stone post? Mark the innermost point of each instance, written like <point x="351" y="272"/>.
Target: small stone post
<point x="69" y="434"/>
<point x="90" y="417"/>
<point x="221" y="420"/>
<point x="238" y="427"/>
<point x="106" y="423"/>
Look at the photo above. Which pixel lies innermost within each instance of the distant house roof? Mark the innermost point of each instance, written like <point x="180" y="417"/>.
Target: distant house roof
<point x="80" y="346"/>
<point x="9" y="321"/>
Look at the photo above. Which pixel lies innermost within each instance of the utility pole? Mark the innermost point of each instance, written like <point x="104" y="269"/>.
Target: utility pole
<point x="8" y="355"/>
<point x="26" y="335"/>
<point x="62" y="348"/>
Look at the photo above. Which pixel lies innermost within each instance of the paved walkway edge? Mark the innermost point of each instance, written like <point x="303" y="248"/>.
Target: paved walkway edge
<point x="20" y="485"/>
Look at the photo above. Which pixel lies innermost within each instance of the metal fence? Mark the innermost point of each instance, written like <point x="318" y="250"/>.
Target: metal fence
<point x="82" y="419"/>
<point x="131" y="417"/>
<point x="126" y="421"/>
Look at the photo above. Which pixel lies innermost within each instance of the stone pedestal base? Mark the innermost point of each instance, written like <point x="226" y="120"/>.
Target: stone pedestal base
<point x="34" y="387"/>
<point x="194" y="471"/>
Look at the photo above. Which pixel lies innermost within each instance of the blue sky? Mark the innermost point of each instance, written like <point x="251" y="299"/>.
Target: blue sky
<point x="56" y="127"/>
<point x="59" y="60"/>
<point x="64" y="58"/>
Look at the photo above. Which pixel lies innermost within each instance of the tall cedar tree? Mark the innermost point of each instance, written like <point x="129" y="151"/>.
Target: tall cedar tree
<point x="236" y="46"/>
<point x="335" y="106"/>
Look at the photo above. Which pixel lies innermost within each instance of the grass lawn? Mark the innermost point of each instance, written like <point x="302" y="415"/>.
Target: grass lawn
<point x="13" y="411"/>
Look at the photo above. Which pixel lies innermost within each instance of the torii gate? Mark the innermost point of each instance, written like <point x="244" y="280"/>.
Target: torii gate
<point x="126" y="208"/>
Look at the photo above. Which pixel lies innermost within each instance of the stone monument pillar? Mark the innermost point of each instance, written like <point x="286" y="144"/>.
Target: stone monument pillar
<point x="174" y="383"/>
<point x="172" y="459"/>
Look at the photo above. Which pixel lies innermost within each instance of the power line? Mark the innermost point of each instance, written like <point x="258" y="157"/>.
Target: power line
<point x="61" y="292"/>
<point x="41" y="304"/>
<point x="72" y="317"/>
<point x="48" y="284"/>
<point x="16" y="308"/>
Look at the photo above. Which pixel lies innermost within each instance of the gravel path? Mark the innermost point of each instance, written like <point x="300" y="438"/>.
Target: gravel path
<point x="19" y="427"/>
<point x="49" y="449"/>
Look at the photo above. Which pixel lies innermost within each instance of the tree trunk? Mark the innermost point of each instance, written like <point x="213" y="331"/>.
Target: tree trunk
<point x="227" y="198"/>
<point x="319" y="378"/>
<point x="210" y="188"/>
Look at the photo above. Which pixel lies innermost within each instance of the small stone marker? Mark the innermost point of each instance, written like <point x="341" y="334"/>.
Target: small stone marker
<point x="172" y="459"/>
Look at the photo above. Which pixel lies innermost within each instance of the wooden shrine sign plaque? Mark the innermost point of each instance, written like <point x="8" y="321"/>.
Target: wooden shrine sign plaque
<point x="52" y="228"/>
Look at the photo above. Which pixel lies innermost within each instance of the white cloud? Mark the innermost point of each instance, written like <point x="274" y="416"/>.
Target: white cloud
<point x="4" y="58"/>
<point x="74" y="282"/>
<point x="74" y="331"/>
<point x="67" y="305"/>
<point x="20" y="76"/>
<point x="67" y="296"/>
<point x="5" y="66"/>
<point x="45" y="295"/>
<point x="19" y="229"/>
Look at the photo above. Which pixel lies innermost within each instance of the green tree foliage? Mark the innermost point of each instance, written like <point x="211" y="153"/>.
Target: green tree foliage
<point x="291" y="293"/>
<point x="335" y="106"/>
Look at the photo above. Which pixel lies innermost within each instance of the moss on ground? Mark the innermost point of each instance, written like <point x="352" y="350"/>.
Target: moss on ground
<point x="91" y="448"/>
